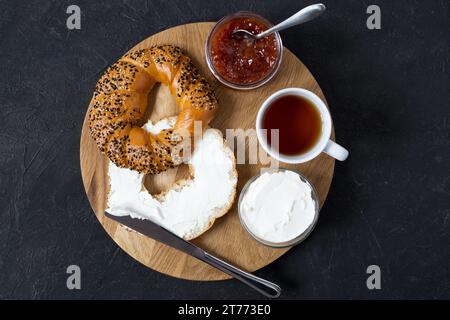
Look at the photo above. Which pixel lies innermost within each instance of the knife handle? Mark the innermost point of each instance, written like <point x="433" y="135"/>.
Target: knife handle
<point x="264" y="287"/>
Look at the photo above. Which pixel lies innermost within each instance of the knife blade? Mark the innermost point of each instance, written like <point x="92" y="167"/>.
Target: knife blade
<point x="155" y="231"/>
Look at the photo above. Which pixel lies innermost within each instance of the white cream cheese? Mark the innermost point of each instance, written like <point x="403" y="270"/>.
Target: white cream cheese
<point x="186" y="210"/>
<point x="278" y="206"/>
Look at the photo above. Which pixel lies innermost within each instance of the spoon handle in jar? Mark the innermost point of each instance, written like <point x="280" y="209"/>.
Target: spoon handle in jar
<point x="306" y="14"/>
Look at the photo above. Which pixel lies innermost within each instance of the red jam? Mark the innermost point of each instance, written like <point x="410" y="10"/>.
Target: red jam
<point x="243" y="61"/>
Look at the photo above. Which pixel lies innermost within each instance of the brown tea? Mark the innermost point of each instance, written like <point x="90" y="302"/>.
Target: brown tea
<point x="298" y="121"/>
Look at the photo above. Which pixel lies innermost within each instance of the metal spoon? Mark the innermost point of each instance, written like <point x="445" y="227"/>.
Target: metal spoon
<point x="306" y="14"/>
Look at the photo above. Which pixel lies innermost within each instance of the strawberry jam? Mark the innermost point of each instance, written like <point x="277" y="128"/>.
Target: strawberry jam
<point x="239" y="60"/>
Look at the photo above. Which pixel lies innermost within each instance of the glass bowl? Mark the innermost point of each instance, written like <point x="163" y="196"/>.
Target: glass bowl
<point x="247" y="86"/>
<point x="302" y="236"/>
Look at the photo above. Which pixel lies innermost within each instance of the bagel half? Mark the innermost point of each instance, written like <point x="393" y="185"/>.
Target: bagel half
<point x="190" y="206"/>
<point x="120" y="101"/>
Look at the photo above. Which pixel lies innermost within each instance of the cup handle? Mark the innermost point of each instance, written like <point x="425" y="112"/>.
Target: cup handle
<point x="336" y="151"/>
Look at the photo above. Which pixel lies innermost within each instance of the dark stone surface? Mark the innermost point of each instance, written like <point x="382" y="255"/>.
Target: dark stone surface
<point x="388" y="205"/>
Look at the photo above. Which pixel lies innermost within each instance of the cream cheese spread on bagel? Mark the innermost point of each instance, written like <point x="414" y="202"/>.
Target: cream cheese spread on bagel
<point x="190" y="207"/>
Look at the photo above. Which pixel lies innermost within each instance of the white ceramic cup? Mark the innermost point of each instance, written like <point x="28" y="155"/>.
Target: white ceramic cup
<point x="324" y="143"/>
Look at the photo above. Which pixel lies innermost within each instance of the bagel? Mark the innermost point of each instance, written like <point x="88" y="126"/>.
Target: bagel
<point x="212" y="167"/>
<point x="120" y="101"/>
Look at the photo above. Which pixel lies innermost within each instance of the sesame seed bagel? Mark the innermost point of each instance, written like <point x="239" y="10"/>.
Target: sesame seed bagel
<point x="120" y="101"/>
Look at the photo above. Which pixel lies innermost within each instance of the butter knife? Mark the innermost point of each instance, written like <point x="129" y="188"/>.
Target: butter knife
<point x="158" y="233"/>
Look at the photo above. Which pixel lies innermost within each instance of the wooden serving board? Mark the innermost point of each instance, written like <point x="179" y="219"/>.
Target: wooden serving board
<point x="227" y="239"/>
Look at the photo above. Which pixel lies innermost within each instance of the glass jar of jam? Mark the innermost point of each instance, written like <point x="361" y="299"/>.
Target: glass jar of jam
<point x="242" y="63"/>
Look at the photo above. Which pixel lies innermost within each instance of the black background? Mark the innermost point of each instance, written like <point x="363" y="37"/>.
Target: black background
<point x="388" y="204"/>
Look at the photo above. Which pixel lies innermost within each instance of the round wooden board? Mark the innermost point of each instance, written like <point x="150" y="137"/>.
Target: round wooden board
<point x="226" y="239"/>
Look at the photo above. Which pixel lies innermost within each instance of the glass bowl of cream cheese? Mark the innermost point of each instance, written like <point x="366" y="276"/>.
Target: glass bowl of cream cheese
<point x="279" y="207"/>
